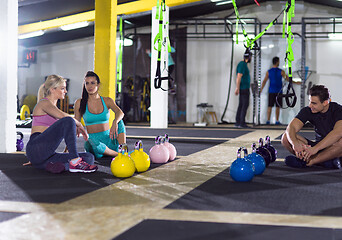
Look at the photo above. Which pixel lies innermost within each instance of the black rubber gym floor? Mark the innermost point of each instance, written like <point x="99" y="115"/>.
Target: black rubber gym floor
<point x="280" y="190"/>
<point x="25" y="183"/>
<point x="188" y="230"/>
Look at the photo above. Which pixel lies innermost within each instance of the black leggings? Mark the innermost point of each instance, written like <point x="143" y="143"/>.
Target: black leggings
<point x="41" y="148"/>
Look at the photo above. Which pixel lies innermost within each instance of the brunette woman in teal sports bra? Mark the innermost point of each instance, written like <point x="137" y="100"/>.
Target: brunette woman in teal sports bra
<point x="103" y="140"/>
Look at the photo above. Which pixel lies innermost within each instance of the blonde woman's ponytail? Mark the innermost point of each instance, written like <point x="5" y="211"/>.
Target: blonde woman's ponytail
<point x="41" y="92"/>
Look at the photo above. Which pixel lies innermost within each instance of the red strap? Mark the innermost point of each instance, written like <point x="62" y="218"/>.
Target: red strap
<point x="256" y="2"/>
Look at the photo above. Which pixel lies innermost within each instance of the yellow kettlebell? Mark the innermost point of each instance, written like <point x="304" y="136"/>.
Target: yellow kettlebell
<point x="141" y="159"/>
<point x="122" y="166"/>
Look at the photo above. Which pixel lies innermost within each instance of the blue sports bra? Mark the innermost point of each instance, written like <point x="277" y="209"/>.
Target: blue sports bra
<point x="91" y="118"/>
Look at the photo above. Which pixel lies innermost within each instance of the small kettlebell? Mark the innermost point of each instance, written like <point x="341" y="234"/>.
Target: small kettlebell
<point x="171" y="147"/>
<point x="257" y="161"/>
<point x="264" y="152"/>
<point x="141" y="159"/>
<point x="159" y="153"/>
<point x="272" y="150"/>
<point x="20" y="142"/>
<point x="241" y="170"/>
<point x="122" y="165"/>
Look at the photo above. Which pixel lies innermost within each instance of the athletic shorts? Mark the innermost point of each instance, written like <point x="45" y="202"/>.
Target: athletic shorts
<point x="98" y="142"/>
<point x="274" y="99"/>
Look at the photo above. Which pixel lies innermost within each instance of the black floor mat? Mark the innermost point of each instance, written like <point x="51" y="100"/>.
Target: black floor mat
<point x="186" y="230"/>
<point x="281" y="189"/>
<point x="19" y="183"/>
<point x="5" y="216"/>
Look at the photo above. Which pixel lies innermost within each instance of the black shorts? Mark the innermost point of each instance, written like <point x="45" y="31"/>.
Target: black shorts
<point x="311" y="143"/>
<point x="274" y="99"/>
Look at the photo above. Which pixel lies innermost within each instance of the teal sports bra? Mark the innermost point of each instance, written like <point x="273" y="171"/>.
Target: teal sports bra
<point x="91" y="118"/>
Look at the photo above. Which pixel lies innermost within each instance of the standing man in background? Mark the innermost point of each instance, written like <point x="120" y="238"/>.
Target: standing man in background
<point x="243" y="82"/>
<point x="276" y="75"/>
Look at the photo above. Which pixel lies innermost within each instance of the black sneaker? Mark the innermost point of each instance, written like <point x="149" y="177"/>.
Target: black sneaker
<point x="337" y="163"/>
<point x="294" y="162"/>
<point x="332" y="164"/>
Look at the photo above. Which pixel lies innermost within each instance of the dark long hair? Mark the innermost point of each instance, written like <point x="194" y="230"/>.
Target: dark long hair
<point x="84" y="98"/>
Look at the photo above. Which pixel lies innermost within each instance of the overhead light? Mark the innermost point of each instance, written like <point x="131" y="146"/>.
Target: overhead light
<point x="31" y="34"/>
<point x="215" y="0"/>
<point x="225" y="2"/>
<point x="74" y="26"/>
<point x="241" y="37"/>
<point x="336" y="19"/>
<point x="335" y="36"/>
<point x="127" y="42"/>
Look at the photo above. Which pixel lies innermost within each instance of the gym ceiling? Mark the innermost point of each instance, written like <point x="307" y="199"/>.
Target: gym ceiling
<point x="33" y="11"/>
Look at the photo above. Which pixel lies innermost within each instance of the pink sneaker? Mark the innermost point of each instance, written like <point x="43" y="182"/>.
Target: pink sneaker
<point x="82" y="166"/>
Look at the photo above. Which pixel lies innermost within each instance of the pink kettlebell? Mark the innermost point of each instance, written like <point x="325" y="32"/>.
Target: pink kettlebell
<point x="159" y="153"/>
<point x="171" y="147"/>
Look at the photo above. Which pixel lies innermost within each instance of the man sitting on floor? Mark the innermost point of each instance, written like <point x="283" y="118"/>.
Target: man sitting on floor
<point x="326" y="117"/>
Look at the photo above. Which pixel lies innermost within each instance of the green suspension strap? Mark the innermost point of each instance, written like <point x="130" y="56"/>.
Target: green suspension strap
<point x="162" y="40"/>
<point x="290" y="96"/>
<point x="251" y="44"/>
<point x="119" y="63"/>
<point x="237" y="22"/>
<point x="265" y="30"/>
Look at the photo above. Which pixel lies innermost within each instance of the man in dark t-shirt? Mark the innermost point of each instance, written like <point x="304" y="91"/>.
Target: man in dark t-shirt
<point x="326" y="117"/>
<point x="243" y="82"/>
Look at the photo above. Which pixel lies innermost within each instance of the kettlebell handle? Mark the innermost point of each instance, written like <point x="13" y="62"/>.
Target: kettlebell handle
<point x="166" y="138"/>
<point x="238" y="153"/>
<point x="254" y="147"/>
<point x="267" y="140"/>
<point x="138" y="145"/>
<point x="123" y="148"/>
<point x="158" y="140"/>
<point x="261" y="142"/>
<point x="244" y="151"/>
<point x="21" y="135"/>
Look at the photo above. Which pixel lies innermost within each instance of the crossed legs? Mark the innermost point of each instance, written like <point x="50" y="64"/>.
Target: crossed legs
<point x="329" y="153"/>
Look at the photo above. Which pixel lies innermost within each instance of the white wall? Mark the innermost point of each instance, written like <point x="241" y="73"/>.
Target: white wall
<point x="208" y="63"/>
<point x="69" y="59"/>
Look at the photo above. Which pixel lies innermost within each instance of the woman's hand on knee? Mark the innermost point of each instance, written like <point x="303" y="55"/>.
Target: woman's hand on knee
<point x="81" y="130"/>
<point x="113" y="132"/>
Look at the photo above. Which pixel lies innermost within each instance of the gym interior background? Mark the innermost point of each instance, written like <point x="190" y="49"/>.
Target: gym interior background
<point x="204" y="57"/>
<point x="192" y="197"/>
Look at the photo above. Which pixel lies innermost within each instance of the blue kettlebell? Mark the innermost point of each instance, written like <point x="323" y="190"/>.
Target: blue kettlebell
<point x="270" y="148"/>
<point x="20" y="142"/>
<point x="241" y="170"/>
<point x="257" y="161"/>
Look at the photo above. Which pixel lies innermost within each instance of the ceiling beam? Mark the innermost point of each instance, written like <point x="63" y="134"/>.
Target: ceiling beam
<point x="122" y="9"/>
